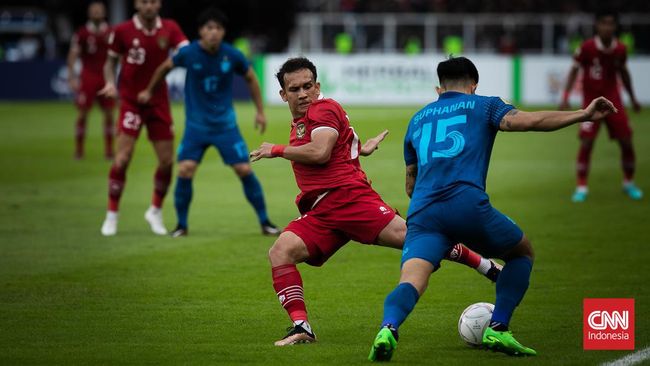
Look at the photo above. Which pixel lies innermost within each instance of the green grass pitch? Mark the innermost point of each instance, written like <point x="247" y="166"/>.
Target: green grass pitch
<point x="70" y="296"/>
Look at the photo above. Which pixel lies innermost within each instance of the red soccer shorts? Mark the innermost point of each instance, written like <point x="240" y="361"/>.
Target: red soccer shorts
<point x="89" y="85"/>
<point x="618" y="124"/>
<point x="157" y="118"/>
<point x="344" y="214"/>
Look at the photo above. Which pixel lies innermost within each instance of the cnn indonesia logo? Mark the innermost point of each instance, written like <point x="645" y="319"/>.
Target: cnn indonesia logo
<point x="608" y="324"/>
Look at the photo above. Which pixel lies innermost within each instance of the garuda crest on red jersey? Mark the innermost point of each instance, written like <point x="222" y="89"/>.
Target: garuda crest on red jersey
<point x="163" y="42"/>
<point x="300" y="130"/>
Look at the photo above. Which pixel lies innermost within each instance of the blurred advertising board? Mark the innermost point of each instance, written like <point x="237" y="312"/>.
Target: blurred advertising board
<point x="381" y="79"/>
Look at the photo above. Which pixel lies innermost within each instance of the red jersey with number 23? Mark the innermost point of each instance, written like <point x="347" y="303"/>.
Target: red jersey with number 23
<point x="600" y="67"/>
<point x="142" y="51"/>
<point x="343" y="167"/>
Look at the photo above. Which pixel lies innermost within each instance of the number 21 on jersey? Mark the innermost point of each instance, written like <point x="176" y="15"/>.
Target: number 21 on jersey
<point x="441" y="135"/>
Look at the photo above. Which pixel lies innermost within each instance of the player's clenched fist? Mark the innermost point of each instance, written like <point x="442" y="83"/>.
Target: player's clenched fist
<point x="600" y="108"/>
<point x="144" y="96"/>
<point x="109" y="90"/>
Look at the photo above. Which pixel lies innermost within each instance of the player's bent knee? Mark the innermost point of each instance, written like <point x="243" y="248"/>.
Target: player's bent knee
<point x="242" y="170"/>
<point x="122" y="159"/>
<point x="523" y="249"/>
<point x="187" y="168"/>
<point x="165" y="163"/>
<point x="288" y="249"/>
<point x="393" y="234"/>
<point x="416" y="271"/>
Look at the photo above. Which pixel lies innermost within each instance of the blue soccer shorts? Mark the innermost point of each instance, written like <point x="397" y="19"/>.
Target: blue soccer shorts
<point x="466" y="217"/>
<point x="230" y="143"/>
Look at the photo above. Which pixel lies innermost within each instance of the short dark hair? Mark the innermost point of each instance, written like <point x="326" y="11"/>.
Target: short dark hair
<point x="603" y="13"/>
<point x="212" y="14"/>
<point x="457" y="69"/>
<point x="293" y="65"/>
<point x="92" y="2"/>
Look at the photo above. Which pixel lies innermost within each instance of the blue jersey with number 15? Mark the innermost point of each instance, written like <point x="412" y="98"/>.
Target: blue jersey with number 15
<point x="208" y="85"/>
<point x="451" y="141"/>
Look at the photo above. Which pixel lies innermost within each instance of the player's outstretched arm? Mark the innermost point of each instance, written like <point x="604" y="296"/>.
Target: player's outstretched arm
<point x="573" y="75"/>
<point x="318" y="151"/>
<point x="256" y="95"/>
<point x="411" y="174"/>
<point x="144" y="96"/>
<point x="110" y="65"/>
<point x="517" y="120"/>
<point x="372" y="144"/>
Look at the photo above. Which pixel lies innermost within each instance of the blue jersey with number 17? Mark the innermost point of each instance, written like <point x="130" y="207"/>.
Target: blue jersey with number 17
<point x="208" y="85"/>
<point x="451" y="141"/>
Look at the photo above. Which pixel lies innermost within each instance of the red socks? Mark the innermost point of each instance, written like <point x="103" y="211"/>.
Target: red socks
<point x="627" y="161"/>
<point x="288" y="286"/>
<point x="108" y="138"/>
<point x="584" y="160"/>
<point x="462" y="254"/>
<point x="80" y="135"/>
<point x="161" y="181"/>
<point x="116" y="180"/>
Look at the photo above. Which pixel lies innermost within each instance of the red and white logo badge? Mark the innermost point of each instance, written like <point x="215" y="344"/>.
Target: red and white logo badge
<point x="608" y="324"/>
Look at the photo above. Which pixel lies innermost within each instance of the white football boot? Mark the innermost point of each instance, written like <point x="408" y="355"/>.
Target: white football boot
<point x="155" y="219"/>
<point x="109" y="227"/>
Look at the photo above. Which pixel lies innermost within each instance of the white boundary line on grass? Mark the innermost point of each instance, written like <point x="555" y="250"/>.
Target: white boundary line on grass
<point x="631" y="359"/>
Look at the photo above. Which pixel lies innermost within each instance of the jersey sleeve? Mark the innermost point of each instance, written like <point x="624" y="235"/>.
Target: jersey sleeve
<point x="177" y="38"/>
<point x="181" y="56"/>
<point x="240" y="62"/>
<point x="410" y="157"/>
<point x="116" y="42"/>
<point x="579" y="55"/>
<point x="623" y="55"/>
<point x="324" y="114"/>
<point x="496" y="109"/>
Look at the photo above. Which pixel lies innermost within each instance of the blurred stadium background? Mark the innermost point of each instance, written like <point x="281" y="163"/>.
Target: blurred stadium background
<point x="525" y="43"/>
<point x="70" y="296"/>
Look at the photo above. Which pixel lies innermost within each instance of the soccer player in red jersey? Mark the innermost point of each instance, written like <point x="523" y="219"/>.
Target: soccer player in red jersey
<point x="142" y="44"/>
<point x="336" y="202"/>
<point x="602" y="59"/>
<point x="90" y="44"/>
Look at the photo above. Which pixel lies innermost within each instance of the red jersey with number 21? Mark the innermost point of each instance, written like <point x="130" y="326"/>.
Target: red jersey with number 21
<point x="343" y="167"/>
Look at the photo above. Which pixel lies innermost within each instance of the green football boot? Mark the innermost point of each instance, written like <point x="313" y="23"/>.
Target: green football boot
<point x="506" y="343"/>
<point x="384" y="345"/>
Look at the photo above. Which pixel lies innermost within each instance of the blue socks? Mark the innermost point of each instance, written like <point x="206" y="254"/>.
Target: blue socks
<point x="511" y="287"/>
<point x="252" y="190"/>
<point x="182" y="198"/>
<point x="399" y="304"/>
<point x="254" y="195"/>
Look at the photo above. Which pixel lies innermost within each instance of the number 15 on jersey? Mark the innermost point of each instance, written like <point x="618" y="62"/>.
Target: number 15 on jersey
<point x="441" y="136"/>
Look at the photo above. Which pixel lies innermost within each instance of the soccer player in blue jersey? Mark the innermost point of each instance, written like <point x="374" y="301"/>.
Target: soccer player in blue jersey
<point x="210" y="116"/>
<point x="447" y="151"/>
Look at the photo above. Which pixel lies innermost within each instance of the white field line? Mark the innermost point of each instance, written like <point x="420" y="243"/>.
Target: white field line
<point x="631" y="359"/>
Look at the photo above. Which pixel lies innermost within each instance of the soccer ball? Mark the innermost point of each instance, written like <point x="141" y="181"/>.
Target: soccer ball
<point x="473" y="321"/>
